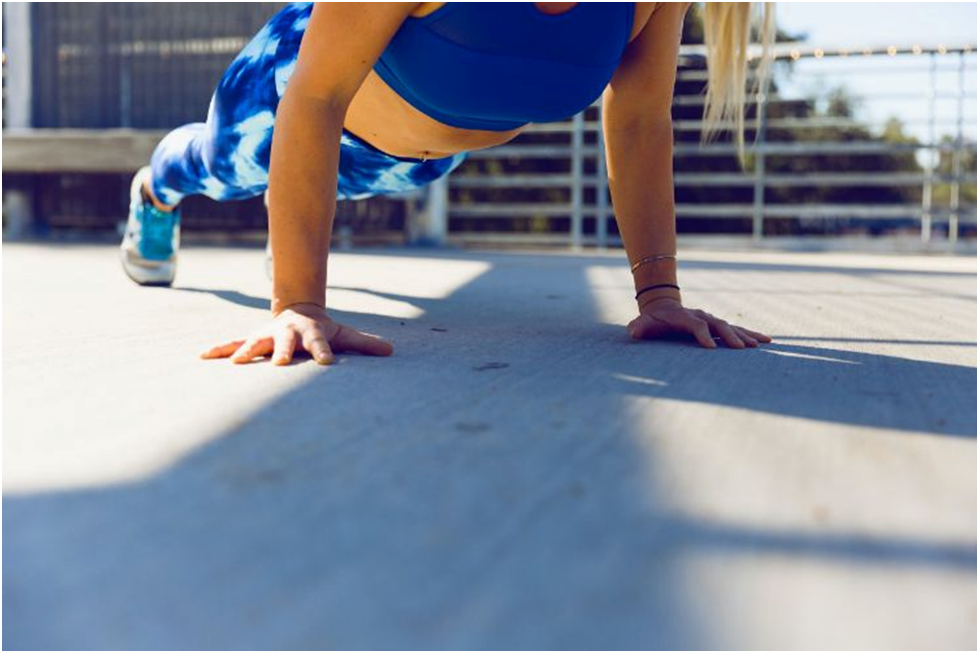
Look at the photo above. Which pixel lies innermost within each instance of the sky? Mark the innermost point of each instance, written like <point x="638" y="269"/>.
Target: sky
<point x="880" y="23"/>
<point x="877" y="82"/>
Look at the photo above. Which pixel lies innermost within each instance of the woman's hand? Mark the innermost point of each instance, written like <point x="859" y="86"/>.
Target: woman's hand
<point x="301" y="325"/>
<point x="666" y="316"/>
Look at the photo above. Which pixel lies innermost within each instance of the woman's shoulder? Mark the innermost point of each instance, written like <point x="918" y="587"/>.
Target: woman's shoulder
<point x="425" y="8"/>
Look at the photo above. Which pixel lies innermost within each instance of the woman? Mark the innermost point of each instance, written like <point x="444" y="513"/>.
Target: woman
<point x="369" y="98"/>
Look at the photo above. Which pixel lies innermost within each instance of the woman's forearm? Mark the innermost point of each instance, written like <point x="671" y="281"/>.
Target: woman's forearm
<point x="640" y="169"/>
<point x="302" y="197"/>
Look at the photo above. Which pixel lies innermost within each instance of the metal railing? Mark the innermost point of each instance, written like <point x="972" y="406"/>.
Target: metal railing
<point x="583" y="149"/>
<point x="711" y="188"/>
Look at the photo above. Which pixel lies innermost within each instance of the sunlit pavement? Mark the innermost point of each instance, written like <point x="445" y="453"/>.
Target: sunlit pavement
<point x="518" y="474"/>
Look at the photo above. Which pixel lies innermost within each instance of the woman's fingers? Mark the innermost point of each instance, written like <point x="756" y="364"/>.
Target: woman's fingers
<point x="743" y="334"/>
<point x="253" y="347"/>
<point x="285" y="346"/>
<point x="223" y="351"/>
<point x="313" y="338"/>
<point x="348" y="339"/>
<point x="726" y="333"/>
<point x="701" y="331"/>
<point x="760" y="337"/>
<point x="314" y="342"/>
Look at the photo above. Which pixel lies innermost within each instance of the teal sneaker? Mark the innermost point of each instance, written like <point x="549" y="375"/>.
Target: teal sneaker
<point x="149" y="246"/>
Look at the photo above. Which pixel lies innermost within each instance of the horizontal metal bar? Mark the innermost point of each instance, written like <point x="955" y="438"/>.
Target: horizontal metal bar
<point x="516" y="181"/>
<point x="789" y="243"/>
<point x="813" y="123"/>
<point x="515" y="150"/>
<point x="869" y="211"/>
<point x="702" y="179"/>
<point x="847" y="211"/>
<point x="530" y="151"/>
<point x="698" y="100"/>
<point x="510" y="238"/>
<point x="564" y="127"/>
<point x="701" y="75"/>
<point x="863" y="179"/>
<point x="861" y="211"/>
<point x="815" y="147"/>
<point x="816" y="179"/>
<point x="504" y="210"/>
<point x="695" y="125"/>
<point x="788" y="49"/>
<point x="714" y="210"/>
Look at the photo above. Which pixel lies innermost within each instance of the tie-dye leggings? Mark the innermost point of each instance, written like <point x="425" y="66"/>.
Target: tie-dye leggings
<point x="228" y="156"/>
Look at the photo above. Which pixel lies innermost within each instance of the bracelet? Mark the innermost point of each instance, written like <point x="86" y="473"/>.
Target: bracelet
<point x="649" y="259"/>
<point x="657" y="287"/>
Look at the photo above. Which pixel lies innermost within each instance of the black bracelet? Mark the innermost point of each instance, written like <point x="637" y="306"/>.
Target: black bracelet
<point x="656" y="287"/>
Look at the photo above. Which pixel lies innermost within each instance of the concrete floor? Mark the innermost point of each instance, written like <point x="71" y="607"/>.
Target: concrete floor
<point x="518" y="475"/>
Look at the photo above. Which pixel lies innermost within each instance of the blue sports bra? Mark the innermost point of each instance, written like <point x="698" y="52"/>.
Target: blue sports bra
<point x="499" y="65"/>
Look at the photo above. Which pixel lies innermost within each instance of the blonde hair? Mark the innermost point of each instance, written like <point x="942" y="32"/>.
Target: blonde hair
<point x="728" y="30"/>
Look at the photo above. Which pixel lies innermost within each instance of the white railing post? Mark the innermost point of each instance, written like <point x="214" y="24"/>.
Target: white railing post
<point x="928" y="189"/>
<point x="577" y="170"/>
<point x="431" y="224"/>
<point x="17" y="205"/>
<point x="758" y="205"/>
<point x="17" y="76"/>
<point x="955" y="190"/>
<point x="601" y="188"/>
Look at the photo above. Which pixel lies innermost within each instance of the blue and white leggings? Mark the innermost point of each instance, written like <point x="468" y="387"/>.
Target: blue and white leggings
<point x="227" y="157"/>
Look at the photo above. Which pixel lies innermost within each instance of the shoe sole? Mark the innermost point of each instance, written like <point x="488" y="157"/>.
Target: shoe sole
<point x="136" y="274"/>
<point x="147" y="280"/>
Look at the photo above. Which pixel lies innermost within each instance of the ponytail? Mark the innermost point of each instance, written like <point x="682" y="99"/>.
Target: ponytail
<point x="727" y="33"/>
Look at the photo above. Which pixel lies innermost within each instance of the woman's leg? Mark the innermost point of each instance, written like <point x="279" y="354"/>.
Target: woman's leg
<point x="227" y="157"/>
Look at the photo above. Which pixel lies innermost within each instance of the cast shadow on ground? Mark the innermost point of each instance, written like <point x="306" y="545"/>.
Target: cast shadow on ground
<point x="429" y="517"/>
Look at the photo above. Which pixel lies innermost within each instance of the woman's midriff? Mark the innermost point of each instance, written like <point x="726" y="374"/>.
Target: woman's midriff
<point x="384" y="119"/>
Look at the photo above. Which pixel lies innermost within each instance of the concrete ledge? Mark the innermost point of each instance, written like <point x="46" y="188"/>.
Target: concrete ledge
<point x="78" y="150"/>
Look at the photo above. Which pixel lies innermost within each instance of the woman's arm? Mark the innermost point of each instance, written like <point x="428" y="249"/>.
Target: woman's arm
<point x="638" y="130"/>
<point x="341" y="44"/>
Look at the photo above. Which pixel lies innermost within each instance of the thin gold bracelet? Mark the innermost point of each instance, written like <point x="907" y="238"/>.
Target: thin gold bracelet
<point x="650" y="259"/>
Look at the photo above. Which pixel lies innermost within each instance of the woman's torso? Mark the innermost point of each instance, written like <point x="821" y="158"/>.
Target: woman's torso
<point x="380" y="116"/>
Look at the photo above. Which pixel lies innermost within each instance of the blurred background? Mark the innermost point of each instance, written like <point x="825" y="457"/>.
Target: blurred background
<point x="866" y="135"/>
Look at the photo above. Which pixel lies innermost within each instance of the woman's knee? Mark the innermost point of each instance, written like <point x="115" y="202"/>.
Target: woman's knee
<point x="237" y="155"/>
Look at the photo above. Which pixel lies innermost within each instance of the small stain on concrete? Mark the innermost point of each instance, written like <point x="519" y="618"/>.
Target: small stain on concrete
<point x="494" y="365"/>
<point x="472" y="427"/>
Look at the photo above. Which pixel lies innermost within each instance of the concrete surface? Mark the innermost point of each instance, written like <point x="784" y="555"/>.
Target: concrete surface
<point x="518" y="475"/>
